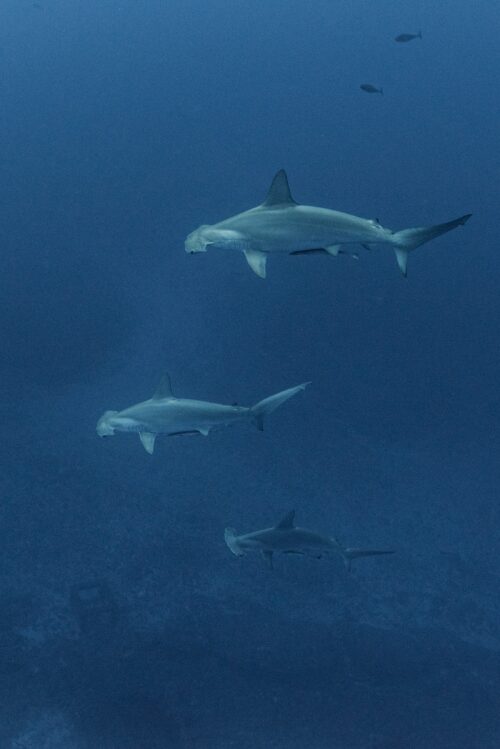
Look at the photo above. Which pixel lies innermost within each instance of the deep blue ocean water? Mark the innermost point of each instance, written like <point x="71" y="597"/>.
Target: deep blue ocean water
<point x="125" y="621"/>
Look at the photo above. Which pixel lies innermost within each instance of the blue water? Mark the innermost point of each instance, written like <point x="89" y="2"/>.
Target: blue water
<point x="125" y="621"/>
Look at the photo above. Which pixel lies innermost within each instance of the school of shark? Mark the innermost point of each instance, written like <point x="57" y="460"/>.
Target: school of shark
<point x="278" y="225"/>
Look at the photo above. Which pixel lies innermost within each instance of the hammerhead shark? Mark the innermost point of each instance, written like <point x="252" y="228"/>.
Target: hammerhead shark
<point x="282" y="225"/>
<point x="166" y="414"/>
<point x="287" y="538"/>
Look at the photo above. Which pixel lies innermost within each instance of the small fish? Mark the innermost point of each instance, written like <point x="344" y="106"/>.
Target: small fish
<point x="371" y="89"/>
<point x="408" y="37"/>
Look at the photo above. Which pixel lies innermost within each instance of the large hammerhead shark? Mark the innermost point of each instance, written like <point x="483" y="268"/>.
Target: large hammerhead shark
<point x="281" y="225"/>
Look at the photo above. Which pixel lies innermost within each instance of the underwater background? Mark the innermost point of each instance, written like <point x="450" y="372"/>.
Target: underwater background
<point x="125" y="622"/>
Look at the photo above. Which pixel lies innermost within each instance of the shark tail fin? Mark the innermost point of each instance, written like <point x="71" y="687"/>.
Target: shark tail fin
<point x="349" y="554"/>
<point x="268" y="405"/>
<point x="230" y="537"/>
<point x="409" y="239"/>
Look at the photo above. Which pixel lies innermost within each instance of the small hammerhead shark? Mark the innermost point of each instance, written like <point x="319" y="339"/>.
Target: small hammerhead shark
<point x="166" y="414"/>
<point x="287" y="538"/>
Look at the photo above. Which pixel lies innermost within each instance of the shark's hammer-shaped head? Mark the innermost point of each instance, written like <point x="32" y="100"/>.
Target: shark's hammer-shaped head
<point x="231" y="539"/>
<point x="207" y="235"/>
<point x="105" y="426"/>
<point x="198" y="240"/>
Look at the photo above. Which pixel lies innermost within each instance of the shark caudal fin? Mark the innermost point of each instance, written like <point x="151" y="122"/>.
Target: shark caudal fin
<point x="409" y="239"/>
<point x="268" y="405"/>
<point x="230" y="538"/>
<point x="349" y="554"/>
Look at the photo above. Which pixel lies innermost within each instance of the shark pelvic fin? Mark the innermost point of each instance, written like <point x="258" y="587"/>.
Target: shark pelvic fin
<point x="336" y="249"/>
<point x="148" y="441"/>
<point x="279" y="193"/>
<point x="257" y="261"/>
<point x="287" y="522"/>
<point x="164" y="389"/>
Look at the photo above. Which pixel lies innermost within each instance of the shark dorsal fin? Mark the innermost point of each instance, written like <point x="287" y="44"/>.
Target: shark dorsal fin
<point x="164" y="389"/>
<point x="287" y="522"/>
<point x="279" y="192"/>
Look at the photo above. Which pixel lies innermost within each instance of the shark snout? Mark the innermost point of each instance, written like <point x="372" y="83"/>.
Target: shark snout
<point x="196" y="241"/>
<point x="104" y="427"/>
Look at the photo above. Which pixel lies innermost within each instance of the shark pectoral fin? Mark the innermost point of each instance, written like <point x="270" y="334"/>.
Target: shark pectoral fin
<point x="148" y="441"/>
<point x="402" y="258"/>
<point x="204" y="431"/>
<point x="257" y="261"/>
<point x="268" y="556"/>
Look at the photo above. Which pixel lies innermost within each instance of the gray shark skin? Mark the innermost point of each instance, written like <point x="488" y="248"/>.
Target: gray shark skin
<point x="281" y="225"/>
<point x="287" y="538"/>
<point x="166" y="414"/>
